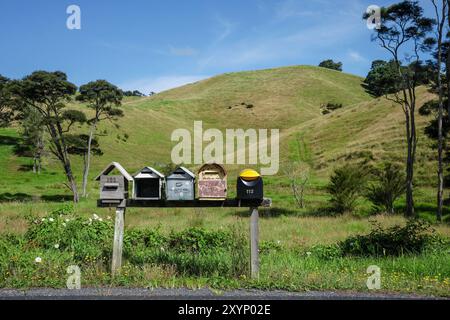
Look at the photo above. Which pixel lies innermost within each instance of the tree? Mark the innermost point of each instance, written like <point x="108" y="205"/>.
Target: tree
<point x="330" y="64"/>
<point x="441" y="16"/>
<point x="104" y="99"/>
<point x="6" y="110"/>
<point x="346" y="185"/>
<point x="383" y="78"/>
<point x="47" y="93"/>
<point x="78" y="145"/>
<point x="298" y="176"/>
<point x="33" y="137"/>
<point x="405" y="29"/>
<point x="134" y="93"/>
<point x="388" y="187"/>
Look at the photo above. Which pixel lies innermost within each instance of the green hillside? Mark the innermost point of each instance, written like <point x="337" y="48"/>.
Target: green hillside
<point x="288" y="98"/>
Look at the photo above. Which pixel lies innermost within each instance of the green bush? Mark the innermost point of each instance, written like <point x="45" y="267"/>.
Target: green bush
<point x="198" y="240"/>
<point x="347" y="183"/>
<point x="327" y="252"/>
<point x="194" y="251"/>
<point x="389" y="185"/>
<point x="61" y="240"/>
<point x="413" y="238"/>
<point x="330" y="107"/>
<point x="87" y="239"/>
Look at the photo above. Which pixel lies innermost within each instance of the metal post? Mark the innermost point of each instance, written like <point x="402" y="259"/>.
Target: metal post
<point x="254" y="242"/>
<point x="118" y="240"/>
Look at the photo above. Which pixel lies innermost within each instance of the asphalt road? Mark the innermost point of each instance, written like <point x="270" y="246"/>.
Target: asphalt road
<point x="186" y="294"/>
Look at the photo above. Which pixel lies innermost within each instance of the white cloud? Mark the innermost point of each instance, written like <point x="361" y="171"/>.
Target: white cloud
<point x="226" y="27"/>
<point x="162" y="83"/>
<point x="356" y="56"/>
<point x="275" y="47"/>
<point x="289" y="9"/>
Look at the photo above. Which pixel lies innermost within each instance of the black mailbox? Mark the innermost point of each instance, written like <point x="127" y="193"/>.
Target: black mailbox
<point x="250" y="185"/>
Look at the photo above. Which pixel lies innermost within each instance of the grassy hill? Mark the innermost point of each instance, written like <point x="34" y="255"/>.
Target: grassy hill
<point x="288" y="98"/>
<point x="293" y="256"/>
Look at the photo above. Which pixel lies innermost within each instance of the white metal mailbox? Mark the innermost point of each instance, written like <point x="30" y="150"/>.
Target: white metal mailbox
<point x="148" y="184"/>
<point x="180" y="185"/>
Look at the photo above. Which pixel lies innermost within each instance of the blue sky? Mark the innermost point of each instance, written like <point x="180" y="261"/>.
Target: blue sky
<point x="155" y="45"/>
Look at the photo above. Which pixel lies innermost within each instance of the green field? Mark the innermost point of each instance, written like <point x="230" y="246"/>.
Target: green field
<point x="290" y="99"/>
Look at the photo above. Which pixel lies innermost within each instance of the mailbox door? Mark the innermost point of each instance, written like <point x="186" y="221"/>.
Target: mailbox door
<point x="112" y="188"/>
<point x="212" y="189"/>
<point x="250" y="190"/>
<point x="179" y="190"/>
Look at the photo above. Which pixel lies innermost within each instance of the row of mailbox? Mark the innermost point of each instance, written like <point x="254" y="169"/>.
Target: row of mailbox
<point x="149" y="184"/>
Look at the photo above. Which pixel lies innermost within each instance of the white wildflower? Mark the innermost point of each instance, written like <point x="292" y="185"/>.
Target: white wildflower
<point x="308" y="253"/>
<point x="63" y="224"/>
<point x="38" y="260"/>
<point x="43" y="219"/>
<point x="96" y="217"/>
<point x="67" y="220"/>
<point x="56" y="246"/>
<point x="100" y="219"/>
<point x="51" y="219"/>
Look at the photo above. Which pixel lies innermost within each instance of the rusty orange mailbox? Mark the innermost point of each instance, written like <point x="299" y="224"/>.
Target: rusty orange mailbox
<point x="212" y="182"/>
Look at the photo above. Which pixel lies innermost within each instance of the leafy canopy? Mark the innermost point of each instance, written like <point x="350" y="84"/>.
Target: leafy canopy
<point x="103" y="97"/>
<point x="330" y="64"/>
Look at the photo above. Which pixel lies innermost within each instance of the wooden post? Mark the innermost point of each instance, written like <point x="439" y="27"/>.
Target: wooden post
<point x="254" y="242"/>
<point x="118" y="239"/>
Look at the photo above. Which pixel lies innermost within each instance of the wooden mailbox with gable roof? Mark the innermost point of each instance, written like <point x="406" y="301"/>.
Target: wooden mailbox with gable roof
<point x="114" y="188"/>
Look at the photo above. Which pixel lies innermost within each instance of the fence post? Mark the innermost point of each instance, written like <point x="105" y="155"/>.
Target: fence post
<point x="254" y="242"/>
<point x="118" y="239"/>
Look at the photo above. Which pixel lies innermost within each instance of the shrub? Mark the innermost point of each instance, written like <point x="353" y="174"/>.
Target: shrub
<point x="198" y="240"/>
<point x="330" y="107"/>
<point x="87" y="239"/>
<point x="62" y="239"/>
<point x="330" y="64"/>
<point x="388" y="187"/>
<point x="194" y="251"/>
<point x="346" y="185"/>
<point x="413" y="238"/>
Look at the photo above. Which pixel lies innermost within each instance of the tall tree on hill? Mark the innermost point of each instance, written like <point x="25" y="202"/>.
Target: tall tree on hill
<point x="330" y="64"/>
<point x="6" y="110"/>
<point x="104" y="99"/>
<point x="33" y="137"/>
<point x="48" y="93"/>
<point x="441" y="18"/>
<point x="78" y="145"/>
<point x="405" y="29"/>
